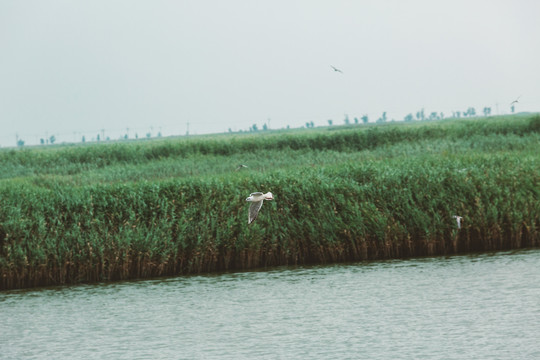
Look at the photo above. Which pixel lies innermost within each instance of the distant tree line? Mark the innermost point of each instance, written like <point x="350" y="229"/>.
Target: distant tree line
<point x="420" y="116"/>
<point x="50" y="140"/>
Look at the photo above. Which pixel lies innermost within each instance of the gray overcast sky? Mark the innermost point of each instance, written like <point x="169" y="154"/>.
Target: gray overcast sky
<point x="70" y="68"/>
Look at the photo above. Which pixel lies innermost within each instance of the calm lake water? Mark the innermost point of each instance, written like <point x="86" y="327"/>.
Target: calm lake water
<point x="463" y="307"/>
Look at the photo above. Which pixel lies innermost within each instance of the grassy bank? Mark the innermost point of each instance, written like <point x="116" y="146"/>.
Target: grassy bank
<point x="150" y="208"/>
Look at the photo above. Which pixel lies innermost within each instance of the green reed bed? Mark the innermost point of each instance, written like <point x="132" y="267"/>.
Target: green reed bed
<point x="73" y="159"/>
<point x="187" y="214"/>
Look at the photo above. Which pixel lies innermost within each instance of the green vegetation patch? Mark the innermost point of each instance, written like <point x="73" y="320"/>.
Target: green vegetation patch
<point x="177" y="206"/>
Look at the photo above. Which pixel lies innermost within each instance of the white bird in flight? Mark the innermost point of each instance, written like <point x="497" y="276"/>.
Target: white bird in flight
<point x="458" y="220"/>
<point x="256" y="200"/>
<point x="241" y="166"/>
<point x="336" y="69"/>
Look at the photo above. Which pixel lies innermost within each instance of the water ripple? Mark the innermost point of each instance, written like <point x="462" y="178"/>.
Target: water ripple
<point x="479" y="306"/>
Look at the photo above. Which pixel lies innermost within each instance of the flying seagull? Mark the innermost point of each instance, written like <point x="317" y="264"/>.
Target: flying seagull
<point x="458" y="220"/>
<point x="256" y="199"/>
<point x="336" y="69"/>
<point x="241" y="166"/>
<point x="515" y="101"/>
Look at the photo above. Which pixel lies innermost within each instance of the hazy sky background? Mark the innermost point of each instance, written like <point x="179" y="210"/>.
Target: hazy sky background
<point x="73" y="68"/>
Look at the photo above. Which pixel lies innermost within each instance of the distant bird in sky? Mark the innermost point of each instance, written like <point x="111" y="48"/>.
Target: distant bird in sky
<point x="241" y="166"/>
<point x="515" y="101"/>
<point x="458" y="220"/>
<point x="256" y="200"/>
<point x="336" y="69"/>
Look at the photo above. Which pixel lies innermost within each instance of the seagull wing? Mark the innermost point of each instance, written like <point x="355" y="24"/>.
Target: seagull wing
<point x="256" y="193"/>
<point x="254" y="210"/>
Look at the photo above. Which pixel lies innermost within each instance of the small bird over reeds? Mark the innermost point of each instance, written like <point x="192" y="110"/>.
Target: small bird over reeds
<point x="256" y="200"/>
<point x="515" y="101"/>
<point x="241" y="166"/>
<point x="458" y="220"/>
<point x="336" y="69"/>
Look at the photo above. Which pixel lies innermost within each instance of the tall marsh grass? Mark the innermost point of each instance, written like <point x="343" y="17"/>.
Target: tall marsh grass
<point x="120" y="211"/>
